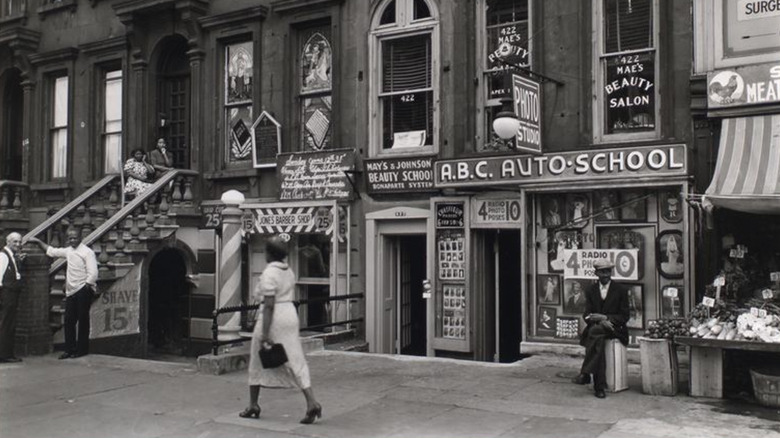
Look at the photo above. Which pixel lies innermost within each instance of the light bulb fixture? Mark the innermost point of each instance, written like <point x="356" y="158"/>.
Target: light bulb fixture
<point x="506" y="124"/>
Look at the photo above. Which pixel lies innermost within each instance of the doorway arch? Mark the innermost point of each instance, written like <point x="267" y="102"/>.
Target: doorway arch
<point x="173" y="97"/>
<point x="168" y="303"/>
<point x="11" y="123"/>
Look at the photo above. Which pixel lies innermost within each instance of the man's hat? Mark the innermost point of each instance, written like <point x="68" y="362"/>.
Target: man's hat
<point x="603" y="264"/>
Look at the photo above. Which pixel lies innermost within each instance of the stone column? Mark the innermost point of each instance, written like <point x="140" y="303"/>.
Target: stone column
<point x="230" y="265"/>
<point x="33" y="332"/>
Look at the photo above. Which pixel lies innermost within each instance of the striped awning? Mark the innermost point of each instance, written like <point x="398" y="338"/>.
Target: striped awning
<point x="747" y="174"/>
<point x="300" y="220"/>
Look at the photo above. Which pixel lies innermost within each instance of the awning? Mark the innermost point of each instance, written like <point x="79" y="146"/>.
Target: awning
<point x="747" y="174"/>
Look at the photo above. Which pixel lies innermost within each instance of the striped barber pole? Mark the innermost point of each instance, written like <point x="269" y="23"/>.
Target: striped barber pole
<point x="747" y="175"/>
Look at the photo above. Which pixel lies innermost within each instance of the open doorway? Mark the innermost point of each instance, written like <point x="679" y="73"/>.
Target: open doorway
<point x="169" y="306"/>
<point x="497" y="278"/>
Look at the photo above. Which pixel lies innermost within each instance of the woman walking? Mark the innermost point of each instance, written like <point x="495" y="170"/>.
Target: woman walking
<point x="278" y="323"/>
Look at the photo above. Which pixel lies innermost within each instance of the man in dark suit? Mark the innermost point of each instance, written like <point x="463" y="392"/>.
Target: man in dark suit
<point x="606" y="315"/>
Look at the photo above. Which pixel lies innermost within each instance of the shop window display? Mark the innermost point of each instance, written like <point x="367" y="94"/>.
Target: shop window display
<point x="636" y="306"/>
<point x="574" y="296"/>
<point x="548" y="288"/>
<point x="546" y="322"/>
<point x="604" y="206"/>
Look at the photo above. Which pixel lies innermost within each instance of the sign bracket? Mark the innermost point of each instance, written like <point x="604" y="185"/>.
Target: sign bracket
<point x="348" y="174"/>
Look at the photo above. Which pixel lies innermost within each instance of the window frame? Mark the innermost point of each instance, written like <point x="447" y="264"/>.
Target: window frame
<point x="304" y="33"/>
<point x="226" y="106"/>
<point x="484" y="132"/>
<point x="404" y="26"/>
<point x="103" y="133"/>
<point x="599" y="64"/>
<point x="52" y="128"/>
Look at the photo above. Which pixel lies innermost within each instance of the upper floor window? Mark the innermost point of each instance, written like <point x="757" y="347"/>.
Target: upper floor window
<point x="315" y="89"/>
<point x="58" y="130"/>
<point x="404" y="90"/>
<point x="112" y="121"/>
<point x="238" y="90"/>
<point x="505" y="46"/>
<point x="627" y="70"/>
<point x="12" y="7"/>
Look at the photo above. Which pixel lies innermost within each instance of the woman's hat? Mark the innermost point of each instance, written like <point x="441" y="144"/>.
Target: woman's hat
<point x="603" y="264"/>
<point x="277" y="246"/>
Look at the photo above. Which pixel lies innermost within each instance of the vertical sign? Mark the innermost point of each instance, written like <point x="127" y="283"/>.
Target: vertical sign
<point x="527" y="100"/>
<point x="116" y="311"/>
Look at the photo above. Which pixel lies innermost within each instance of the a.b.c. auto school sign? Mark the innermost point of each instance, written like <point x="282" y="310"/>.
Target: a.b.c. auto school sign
<point x="661" y="160"/>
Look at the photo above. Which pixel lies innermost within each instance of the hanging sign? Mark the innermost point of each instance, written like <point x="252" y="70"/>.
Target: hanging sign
<point x="116" y="311"/>
<point x="527" y="98"/>
<point x="579" y="263"/>
<point x="211" y="216"/>
<point x="748" y="85"/>
<point x="266" y="135"/>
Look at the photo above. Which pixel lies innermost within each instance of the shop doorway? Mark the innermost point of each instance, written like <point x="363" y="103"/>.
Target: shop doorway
<point x="169" y="304"/>
<point x="173" y="99"/>
<point x="497" y="279"/>
<point x="405" y="307"/>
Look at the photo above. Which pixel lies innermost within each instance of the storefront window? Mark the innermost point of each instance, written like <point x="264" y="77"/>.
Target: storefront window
<point x="239" y="116"/>
<point x="404" y="89"/>
<point x="627" y="67"/>
<point x="316" y="83"/>
<point x="506" y="46"/>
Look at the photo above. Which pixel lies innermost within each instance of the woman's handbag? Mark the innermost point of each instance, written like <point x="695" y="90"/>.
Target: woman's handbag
<point x="273" y="356"/>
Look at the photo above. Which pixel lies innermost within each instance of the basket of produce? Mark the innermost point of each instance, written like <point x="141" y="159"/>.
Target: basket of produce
<point x="766" y="386"/>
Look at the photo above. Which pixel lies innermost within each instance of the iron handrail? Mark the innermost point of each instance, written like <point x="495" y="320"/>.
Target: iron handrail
<point x="216" y="343"/>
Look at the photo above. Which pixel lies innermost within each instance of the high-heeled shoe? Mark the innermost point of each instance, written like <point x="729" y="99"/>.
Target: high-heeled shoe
<point x="250" y="412"/>
<point x="312" y="414"/>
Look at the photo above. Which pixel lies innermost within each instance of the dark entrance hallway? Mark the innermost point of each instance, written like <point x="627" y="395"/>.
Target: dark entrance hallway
<point x="168" y="322"/>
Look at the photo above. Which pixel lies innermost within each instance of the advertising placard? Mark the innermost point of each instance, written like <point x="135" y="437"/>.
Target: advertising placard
<point x="315" y="175"/>
<point x="399" y="175"/>
<point x="579" y="263"/>
<point x="116" y="311"/>
<point x="498" y="213"/>
<point x="527" y="98"/>
<point x="450" y="215"/>
<point x="749" y="85"/>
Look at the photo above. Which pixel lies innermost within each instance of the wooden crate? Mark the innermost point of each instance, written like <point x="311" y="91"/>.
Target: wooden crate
<point x="617" y="366"/>
<point x="659" y="366"/>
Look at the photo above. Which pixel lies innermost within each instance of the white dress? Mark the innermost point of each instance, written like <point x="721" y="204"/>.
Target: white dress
<point x="279" y="280"/>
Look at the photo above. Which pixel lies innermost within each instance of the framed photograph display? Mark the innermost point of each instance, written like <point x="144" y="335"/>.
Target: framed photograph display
<point x="669" y="250"/>
<point x="454" y="311"/>
<point x="546" y="320"/>
<point x="548" y="289"/>
<point x="557" y="241"/>
<point x="577" y="210"/>
<point x="553" y="213"/>
<point x="670" y="205"/>
<point x="604" y="206"/>
<point x="574" y="296"/>
<point x="450" y="255"/>
<point x="672" y="297"/>
<point x="623" y="238"/>
<point x="567" y="328"/>
<point x="633" y="206"/>
<point x="636" y="319"/>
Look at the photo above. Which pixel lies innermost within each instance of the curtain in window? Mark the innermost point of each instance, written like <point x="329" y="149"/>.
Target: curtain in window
<point x="628" y="25"/>
<point x="59" y="132"/>
<point x="112" y="125"/>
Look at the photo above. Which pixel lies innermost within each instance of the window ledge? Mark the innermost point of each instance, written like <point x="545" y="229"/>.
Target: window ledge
<point x="19" y="18"/>
<point x="53" y="6"/>
<point x="232" y="173"/>
<point x="58" y="185"/>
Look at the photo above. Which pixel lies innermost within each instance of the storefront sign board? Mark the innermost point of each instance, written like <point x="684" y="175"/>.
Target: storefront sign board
<point x="661" y="160"/>
<point x="315" y="175"/>
<point x="450" y="215"/>
<point x="496" y="213"/>
<point x="211" y="216"/>
<point x="527" y="98"/>
<point x="294" y="220"/>
<point x="741" y="86"/>
<point x="116" y="311"/>
<point x="579" y="263"/>
<point x="399" y="175"/>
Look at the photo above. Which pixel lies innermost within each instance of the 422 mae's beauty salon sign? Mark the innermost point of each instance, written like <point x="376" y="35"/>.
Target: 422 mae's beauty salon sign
<point x="660" y="160"/>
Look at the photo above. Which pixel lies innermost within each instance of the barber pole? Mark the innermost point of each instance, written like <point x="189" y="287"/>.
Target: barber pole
<point x="230" y="273"/>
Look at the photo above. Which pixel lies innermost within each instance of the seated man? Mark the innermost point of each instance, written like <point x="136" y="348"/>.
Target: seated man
<point x="606" y="315"/>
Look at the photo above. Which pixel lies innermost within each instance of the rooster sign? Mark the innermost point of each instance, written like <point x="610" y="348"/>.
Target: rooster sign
<point x="726" y="88"/>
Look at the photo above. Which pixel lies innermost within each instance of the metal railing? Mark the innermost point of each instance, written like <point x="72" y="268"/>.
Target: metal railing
<point x="216" y="343"/>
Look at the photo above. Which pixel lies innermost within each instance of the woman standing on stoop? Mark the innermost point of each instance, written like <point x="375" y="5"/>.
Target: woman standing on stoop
<point x="277" y="322"/>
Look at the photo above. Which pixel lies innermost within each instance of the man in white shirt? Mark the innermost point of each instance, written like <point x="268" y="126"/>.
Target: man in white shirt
<point x="80" y="286"/>
<point x="10" y="289"/>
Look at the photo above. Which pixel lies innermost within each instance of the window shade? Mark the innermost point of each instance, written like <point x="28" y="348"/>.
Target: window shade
<point x="628" y="25"/>
<point x="506" y="11"/>
<point x="406" y="64"/>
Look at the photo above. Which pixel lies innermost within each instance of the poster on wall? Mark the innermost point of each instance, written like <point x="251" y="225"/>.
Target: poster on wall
<point x="454" y="315"/>
<point x="624" y="238"/>
<point x="579" y="263"/>
<point x="557" y="242"/>
<point x="548" y="289"/>
<point x="450" y="215"/>
<point x="670" y="254"/>
<point x="567" y="328"/>
<point x="451" y="255"/>
<point x="546" y="320"/>
<point x="574" y="296"/>
<point x="604" y="206"/>
<point x="116" y="311"/>
<point x="670" y="205"/>
<point x="577" y="210"/>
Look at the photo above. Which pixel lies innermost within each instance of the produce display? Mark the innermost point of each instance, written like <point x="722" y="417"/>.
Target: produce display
<point x="728" y="321"/>
<point x="666" y="328"/>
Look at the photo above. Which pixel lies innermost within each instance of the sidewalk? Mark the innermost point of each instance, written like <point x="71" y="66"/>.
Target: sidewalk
<point x="363" y="395"/>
